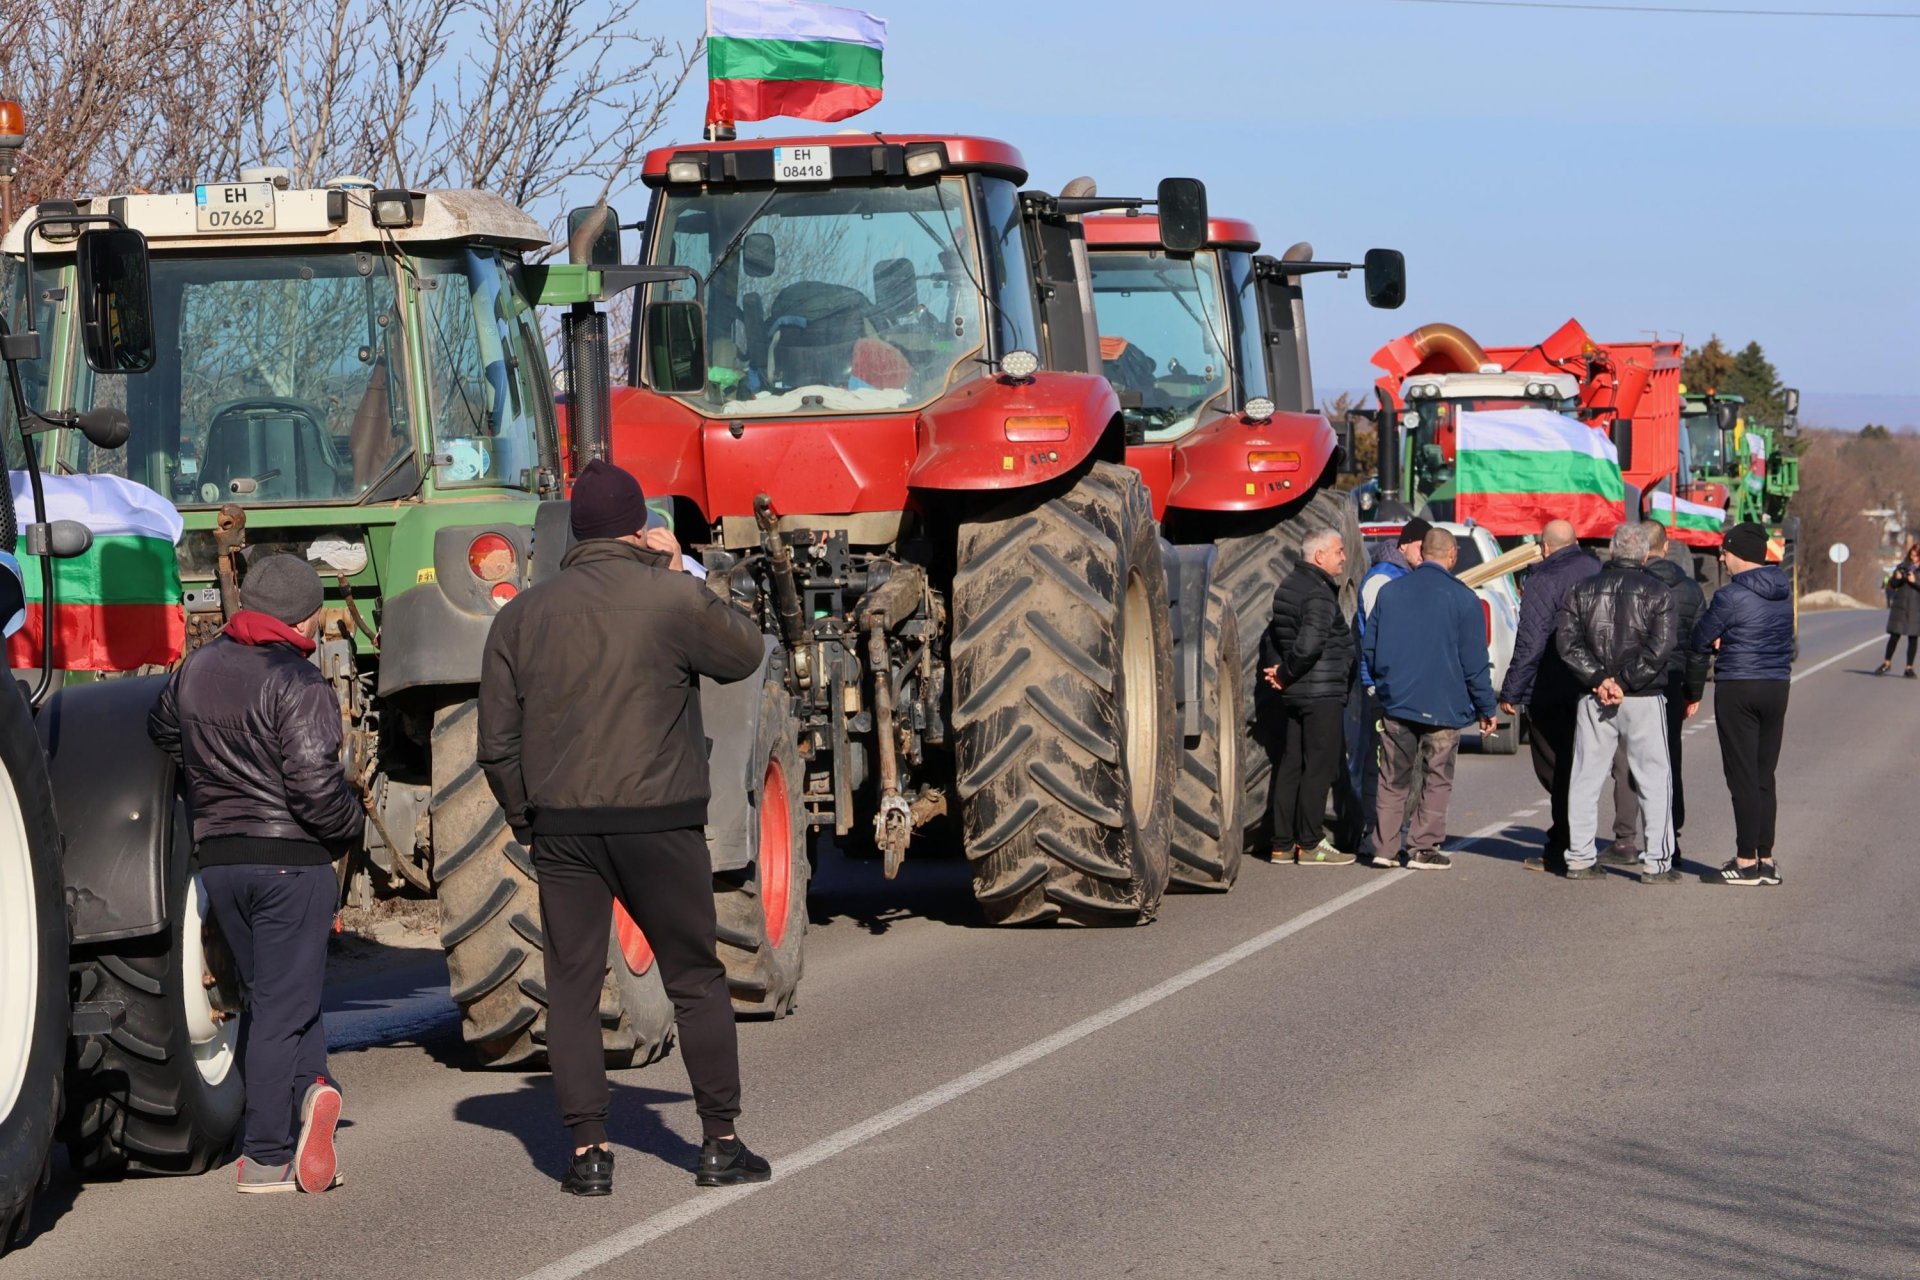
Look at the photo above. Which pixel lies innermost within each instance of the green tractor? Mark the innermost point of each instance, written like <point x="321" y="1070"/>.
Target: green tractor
<point x="1750" y="470"/>
<point x="356" y="376"/>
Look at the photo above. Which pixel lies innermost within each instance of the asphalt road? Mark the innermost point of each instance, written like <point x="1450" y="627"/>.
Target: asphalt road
<point x="1329" y="1072"/>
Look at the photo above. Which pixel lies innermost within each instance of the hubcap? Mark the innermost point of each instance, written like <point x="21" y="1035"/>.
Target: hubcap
<point x="19" y="950"/>
<point x="1140" y="697"/>
<point x="213" y="1039"/>
<point x="776" y="852"/>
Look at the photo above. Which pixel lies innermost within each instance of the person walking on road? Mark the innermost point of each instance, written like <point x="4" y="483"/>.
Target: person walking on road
<point x="1308" y="659"/>
<point x="590" y="737"/>
<point x="1616" y="633"/>
<point x="1748" y="628"/>
<point x="1686" y="669"/>
<point x="254" y="729"/>
<point x="1903" y="609"/>
<point x="1426" y="647"/>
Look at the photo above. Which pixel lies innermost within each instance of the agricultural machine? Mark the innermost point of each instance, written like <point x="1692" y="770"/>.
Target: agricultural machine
<point x="1736" y="466"/>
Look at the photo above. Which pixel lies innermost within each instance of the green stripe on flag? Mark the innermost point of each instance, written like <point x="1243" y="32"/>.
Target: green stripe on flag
<point x="122" y="569"/>
<point x="837" y="60"/>
<point x="1525" y="471"/>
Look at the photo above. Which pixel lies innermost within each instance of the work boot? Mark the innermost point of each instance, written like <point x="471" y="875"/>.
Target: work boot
<point x="1670" y="876"/>
<point x="1620" y="855"/>
<point x="315" y="1164"/>
<point x="590" y="1174"/>
<point x="257" y="1179"/>
<point x="1433" y="860"/>
<point x="1323" y="855"/>
<point x="1591" y="871"/>
<point x="726" y="1162"/>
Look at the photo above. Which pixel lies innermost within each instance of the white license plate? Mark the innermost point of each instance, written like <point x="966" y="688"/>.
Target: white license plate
<point x="233" y="206"/>
<point x="802" y="164"/>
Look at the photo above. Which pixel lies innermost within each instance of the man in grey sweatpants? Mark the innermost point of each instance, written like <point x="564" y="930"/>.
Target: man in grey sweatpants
<point x="1616" y="633"/>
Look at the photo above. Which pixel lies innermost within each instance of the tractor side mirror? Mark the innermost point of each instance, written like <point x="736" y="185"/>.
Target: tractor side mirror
<point x="758" y="255"/>
<point x="1790" y="402"/>
<point x="676" y="347"/>
<point x="593" y="236"/>
<point x="1725" y="415"/>
<point x="1183" y="214"/>
<point x="1386" y="272"/>
<point x="116" y="303"/>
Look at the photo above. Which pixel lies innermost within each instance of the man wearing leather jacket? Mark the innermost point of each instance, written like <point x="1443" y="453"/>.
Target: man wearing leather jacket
<point x="1616" y="635"/>
<point x="254" y="730"/>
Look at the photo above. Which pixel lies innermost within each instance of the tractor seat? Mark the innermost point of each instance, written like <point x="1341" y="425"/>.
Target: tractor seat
<point x="284" y="447"/>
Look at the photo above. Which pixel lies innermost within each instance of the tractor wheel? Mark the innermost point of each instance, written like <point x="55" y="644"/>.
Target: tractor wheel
<point x="1208" y="818"/>
<point x="1250" y="568"/>
<point x="33" y="969"/>
<point x="161" y="1092"/>
<point x="490" y="925"/>
<point x="1063" y="704"/>
<point x="762" y="908"/>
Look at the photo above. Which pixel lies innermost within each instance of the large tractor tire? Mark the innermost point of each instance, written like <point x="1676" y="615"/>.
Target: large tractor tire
<point x="762" y="908"/>
<point x="1249" y="567"/>
<point x="33" y="968"/>
<point x="490" y="925"/>
<point x="1209" y="816"/>
<point x="161" y="1092"/>
<point x="1063" y="704"/>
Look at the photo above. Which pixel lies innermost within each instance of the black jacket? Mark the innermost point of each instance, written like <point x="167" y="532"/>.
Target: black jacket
<point x="1752" y="618"/>
<point x="1536" y="675"/>
<point x="254" y="729"/>
<point x="1620" y="623"/>
<point x="590" y="694"/>
<point x="1309" y="638"/>
<point x="1903" y="600"/>
<point x="1686" y="669"/>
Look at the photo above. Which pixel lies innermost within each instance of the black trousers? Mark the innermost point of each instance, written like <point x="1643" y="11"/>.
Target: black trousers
<point x="1550" y="729"/>
<point x="276" y="921"/>
<point x="665" y="881"/>
<point x="1893" y="642"/>
<point x="1676" y="721"/>
<point x="1751" y="719"/>
<point x="1312" y="742"/>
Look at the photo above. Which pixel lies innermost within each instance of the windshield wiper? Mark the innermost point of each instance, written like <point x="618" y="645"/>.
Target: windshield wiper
<point x="739" y="236"/>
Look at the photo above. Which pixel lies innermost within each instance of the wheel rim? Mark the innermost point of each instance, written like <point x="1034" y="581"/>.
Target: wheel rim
<point x="19" y="950"/>
<point x="1140" y="699"/>
<point x="776" y="852"/>
<point x="213" y="1038"/>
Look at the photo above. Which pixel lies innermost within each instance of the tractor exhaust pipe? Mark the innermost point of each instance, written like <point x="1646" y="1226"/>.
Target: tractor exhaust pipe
<point x="589" y="362"/>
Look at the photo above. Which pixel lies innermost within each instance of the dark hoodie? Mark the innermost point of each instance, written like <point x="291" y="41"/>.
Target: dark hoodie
<point x="1752" y="618"/>
<point x="1686" y="669"/>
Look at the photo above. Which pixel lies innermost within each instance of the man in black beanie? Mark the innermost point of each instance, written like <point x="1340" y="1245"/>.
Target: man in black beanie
<point x="254" y="729"/>
<point x="591" y="739"/>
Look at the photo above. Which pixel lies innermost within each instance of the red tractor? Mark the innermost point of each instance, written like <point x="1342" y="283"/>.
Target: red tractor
<point x="1208" y="351"/>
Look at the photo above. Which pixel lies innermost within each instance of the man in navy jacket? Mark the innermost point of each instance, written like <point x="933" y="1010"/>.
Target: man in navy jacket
<point x="1426" y="647"/>
<point x="1749" y="629"/>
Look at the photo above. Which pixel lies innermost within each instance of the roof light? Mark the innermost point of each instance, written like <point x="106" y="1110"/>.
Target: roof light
<point x="1030" y="430"/>
<point x="923" y="161"/>
<point x="393" y="208"/>
<point x="1259" y="409"/>
<point x="685" y="171"/>
<point x="1019" y="365"/>
<point x="1536" y="389"/>
<point x="1410" y="419"/>
<point x="13" y="124"/>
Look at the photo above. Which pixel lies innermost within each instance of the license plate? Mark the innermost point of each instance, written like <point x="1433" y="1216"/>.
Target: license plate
<point x="802" y="164"/>
<point x="233" y="206"/>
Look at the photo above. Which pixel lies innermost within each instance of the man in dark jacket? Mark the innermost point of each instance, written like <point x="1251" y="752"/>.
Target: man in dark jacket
<point x="591" y="739"/>
<point x="254" y="729"/>
<point x="1391" y="561"/>
<point x="1686" y="669"/>
<point x="1616" y="633"/>
<point x="1749" y="630"/>
<point x="1426" y="646"/>
<point x="1308" y="656"/>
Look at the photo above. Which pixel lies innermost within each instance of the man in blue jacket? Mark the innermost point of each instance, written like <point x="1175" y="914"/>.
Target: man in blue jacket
<point x="1749" y="629"/>
<point x="1391" y="561"/>
<point x="1426" y="647"/>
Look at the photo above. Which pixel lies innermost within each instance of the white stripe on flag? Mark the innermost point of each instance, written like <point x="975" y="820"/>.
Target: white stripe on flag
<point x="107" y="505"/>
<point x="1532" y="431"/>
<point x="1667" y="502"/>
<point x="793" y="20"/>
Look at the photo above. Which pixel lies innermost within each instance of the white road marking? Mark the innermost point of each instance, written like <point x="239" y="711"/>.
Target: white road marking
<point x="1818" y="666"/>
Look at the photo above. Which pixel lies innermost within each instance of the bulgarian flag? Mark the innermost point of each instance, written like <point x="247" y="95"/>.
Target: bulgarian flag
<point x="1693" y="523"/>
<point x="117" y="607"/>
<point x="1516" y="469"/>
<point x="785" y="58"/>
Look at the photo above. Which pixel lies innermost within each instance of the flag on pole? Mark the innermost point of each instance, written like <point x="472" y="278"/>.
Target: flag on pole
<point x="788" y="58"/>
<point x="1516" y="469"/>
<point x="1694" y="523"/>
<point x="118" y="606"/>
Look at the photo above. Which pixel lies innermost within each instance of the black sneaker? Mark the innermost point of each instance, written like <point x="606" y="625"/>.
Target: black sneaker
<point x="1736" y="875"/>
<point x="726" y="1162"/>
<point x="1435" y="861"/>
<point x="1769" y="871"/>
<point x="1670" y="876"/>
<point x="1589" y="872"/>
<point x="590" y="1174"/>
<point x="1620" y="856"/>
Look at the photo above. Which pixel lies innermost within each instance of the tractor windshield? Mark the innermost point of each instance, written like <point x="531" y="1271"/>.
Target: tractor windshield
<point x="287" y="379"/>
<point x="1163" y="336"/>
<point x="834" y="299"/>
<point x="1432" y="433"/>
<point x="1707" y="444"/>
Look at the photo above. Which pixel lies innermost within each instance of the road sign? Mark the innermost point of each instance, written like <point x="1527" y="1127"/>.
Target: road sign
<point x="1839" y="552"/>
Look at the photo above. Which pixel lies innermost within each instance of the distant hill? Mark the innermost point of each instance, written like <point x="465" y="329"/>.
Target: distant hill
<point x="1849" y="411"/>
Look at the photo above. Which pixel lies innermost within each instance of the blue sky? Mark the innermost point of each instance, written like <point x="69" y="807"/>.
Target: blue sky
<point x="1751" y="176"/>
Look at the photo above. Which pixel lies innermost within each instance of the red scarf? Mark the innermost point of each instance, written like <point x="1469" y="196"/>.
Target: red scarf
<point x="249" y="626"/>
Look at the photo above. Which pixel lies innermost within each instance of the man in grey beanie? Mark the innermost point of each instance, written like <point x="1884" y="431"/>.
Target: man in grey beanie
<point x="254" y="730"/>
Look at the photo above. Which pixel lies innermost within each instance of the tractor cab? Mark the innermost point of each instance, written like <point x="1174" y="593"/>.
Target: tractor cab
<point x="1434" y="401"/>
<point x="1710" y="424"/>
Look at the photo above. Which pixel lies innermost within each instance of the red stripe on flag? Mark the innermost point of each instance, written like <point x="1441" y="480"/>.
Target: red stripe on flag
<point x="1706" y="539"/>
<point x="1508" y="515"/>
<point x="104" y="637"/>
<point x="731" y="100"/>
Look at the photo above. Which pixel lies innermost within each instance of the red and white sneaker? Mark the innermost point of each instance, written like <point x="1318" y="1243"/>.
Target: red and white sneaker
<point x="315" y="1165"/>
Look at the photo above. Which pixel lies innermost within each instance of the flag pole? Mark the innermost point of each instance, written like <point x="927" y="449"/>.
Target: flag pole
<point x="717" y="130"/>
